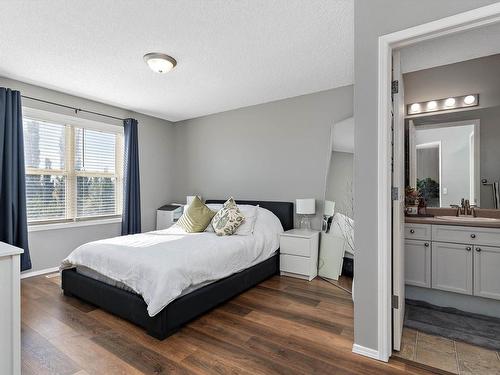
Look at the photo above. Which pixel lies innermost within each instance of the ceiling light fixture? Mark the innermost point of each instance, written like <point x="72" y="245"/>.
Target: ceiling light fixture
<point x="159" y="62"/>
<point x="451" y="103"/>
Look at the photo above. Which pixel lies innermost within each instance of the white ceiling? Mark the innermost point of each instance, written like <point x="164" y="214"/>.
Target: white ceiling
<point x="230" y="54"/>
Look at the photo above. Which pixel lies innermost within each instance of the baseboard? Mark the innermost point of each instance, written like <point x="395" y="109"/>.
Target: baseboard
<point x="25" y="275"/>
<point x="367" y="352"/>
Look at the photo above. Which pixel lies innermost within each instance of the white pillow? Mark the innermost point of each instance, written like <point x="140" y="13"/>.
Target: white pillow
<point x="250" y="213"/>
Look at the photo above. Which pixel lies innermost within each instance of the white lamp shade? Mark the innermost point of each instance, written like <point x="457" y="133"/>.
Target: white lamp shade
<point x="190" y="198"/>
<point x="305" y="206"/>
<point x="329" y="208"/>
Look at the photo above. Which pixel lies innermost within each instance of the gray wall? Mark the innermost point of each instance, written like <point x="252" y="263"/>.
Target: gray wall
<point x="478" y="76"/>
<point x="272" y="151"/>
<point x="339" y="183"/>
<point x="156" y="153"/>
<point x="373" y="18"/>
<point x="458" y="47"/>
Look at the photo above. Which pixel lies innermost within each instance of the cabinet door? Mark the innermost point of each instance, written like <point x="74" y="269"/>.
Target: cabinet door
<point x="418" y="263"/>
<point x="487" y="271"/>
<point x="452" y="267"/>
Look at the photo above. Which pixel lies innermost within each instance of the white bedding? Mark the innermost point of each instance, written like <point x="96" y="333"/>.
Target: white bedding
<point x="161" y="265"/>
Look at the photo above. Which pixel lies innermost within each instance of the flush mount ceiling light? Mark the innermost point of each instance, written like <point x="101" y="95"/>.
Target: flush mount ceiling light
<point x="159" y="62"/>
<point x="456" y="102"/>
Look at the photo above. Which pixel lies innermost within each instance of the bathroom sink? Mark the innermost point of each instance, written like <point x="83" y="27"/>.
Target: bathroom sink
<point x="468" y="219"/>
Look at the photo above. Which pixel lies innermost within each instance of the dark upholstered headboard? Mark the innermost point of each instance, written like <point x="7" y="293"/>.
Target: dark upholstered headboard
<point x="283" y="210"/>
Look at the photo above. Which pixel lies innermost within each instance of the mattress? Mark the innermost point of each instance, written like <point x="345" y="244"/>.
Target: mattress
<point x="85" y="271"/>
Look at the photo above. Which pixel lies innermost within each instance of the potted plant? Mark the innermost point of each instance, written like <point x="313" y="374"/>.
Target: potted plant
<point x="412" y="198"/>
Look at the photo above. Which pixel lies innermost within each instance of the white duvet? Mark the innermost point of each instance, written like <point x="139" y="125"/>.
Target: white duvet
<point x="160" y="265"/>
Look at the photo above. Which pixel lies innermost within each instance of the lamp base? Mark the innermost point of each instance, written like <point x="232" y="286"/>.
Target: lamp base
<point x="305" y="222"/>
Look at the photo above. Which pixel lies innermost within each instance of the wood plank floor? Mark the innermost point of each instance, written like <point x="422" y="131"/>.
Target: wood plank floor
<point x="282" y="326"/>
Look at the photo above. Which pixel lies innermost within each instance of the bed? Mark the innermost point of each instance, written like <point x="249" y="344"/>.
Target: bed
<point x="132" y="306"/>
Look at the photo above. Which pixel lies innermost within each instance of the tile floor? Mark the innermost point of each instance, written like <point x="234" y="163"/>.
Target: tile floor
<point x="448" y="355"/>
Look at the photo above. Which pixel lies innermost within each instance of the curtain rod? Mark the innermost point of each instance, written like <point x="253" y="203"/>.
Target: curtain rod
<point x="73" y="108"/>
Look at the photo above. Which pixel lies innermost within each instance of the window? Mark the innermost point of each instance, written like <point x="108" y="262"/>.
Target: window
<point x="73" y="171"/>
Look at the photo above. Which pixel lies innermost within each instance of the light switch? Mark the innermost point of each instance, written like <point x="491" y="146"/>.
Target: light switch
<point x="445" y="191"/>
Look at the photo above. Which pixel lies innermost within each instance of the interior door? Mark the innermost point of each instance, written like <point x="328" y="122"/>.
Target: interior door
<point x="398" y="204"/>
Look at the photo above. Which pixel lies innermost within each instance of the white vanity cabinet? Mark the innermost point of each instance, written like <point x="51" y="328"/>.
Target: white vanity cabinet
<point x="487" y="271"/>
<point x="452" y="267"/>
<point x="418" y="263"/>
<point x="457" y="259"/>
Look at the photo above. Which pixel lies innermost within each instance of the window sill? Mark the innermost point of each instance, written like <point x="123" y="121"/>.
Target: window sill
<point x="74" y="224"/>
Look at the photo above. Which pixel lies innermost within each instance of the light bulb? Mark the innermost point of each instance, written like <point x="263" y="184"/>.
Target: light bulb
<point x="450" y="102"/>
<point x="415" y="107"/>
<point x="469" y="99"/>
<point x="432" y="105"/>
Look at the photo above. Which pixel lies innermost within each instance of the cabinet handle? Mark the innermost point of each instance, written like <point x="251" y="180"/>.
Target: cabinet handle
<point x="426" y="244"/>
<point x="472" y="235"/>
<point x="478" y="249"/>
<point x="468" y="248"/>
<point x="412" y="231"/>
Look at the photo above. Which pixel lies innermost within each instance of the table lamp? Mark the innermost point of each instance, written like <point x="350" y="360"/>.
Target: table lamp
<point x="305" y="207"/>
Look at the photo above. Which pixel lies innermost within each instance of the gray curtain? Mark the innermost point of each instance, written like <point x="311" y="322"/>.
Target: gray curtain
<point x="13" y="221"/>
<point x="131" y="218"/>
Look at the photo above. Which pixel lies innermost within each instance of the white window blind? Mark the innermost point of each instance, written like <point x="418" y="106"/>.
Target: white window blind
<point x="72" y="172"/>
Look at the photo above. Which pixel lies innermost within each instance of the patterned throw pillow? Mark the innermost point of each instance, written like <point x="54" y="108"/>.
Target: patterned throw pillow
<point x="227" y="219"/>
<point x="196" y="218"/>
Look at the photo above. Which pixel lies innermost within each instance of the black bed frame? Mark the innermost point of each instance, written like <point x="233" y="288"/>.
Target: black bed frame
<point x="131" y="306"/>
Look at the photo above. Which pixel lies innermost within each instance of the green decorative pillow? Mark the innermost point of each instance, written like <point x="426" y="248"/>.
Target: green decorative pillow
<point x="196" y="218"/>
<point x="227" y="220"/>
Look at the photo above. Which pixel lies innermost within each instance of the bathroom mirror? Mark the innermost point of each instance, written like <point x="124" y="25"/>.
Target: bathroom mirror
<point x="337" y="236"/>
<point x="444" y="162"/>
<point x="452" y="160"/>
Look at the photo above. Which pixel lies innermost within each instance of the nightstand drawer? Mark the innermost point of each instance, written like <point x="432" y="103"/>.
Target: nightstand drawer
<point x="295" y="264"/>
<point x="295" y="246"/>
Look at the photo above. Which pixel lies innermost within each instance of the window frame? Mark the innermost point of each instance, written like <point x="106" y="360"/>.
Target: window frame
<point x="71" y="174"/>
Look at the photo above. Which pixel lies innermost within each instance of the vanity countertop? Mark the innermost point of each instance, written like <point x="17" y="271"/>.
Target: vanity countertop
<point x="463" y="221"/>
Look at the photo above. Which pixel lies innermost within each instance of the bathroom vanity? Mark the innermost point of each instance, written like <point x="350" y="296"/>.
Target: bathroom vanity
<point x="454" y="254"/>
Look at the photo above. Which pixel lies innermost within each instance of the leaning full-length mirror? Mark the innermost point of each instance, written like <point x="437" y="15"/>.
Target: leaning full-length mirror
<point x="336" y="257"/>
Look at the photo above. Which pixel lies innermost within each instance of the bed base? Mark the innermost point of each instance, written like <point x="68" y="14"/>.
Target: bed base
<point x="131" y="306"/>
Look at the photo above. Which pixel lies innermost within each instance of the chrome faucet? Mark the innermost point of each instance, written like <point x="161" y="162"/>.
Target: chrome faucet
<point x="465" y="208"/>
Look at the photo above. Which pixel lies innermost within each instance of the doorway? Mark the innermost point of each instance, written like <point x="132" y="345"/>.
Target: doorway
<point x="386" y="247"/>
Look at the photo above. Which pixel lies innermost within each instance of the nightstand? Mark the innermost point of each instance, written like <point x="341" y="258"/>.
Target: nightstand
<point x="167" y="215"/>
<point x="299" y="253"/>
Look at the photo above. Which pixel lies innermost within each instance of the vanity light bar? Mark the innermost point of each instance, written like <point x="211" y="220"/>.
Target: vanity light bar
<point x="445" y="104"/>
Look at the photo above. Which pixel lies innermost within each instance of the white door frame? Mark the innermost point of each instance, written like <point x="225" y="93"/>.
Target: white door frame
<point x="460" y="22"/>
